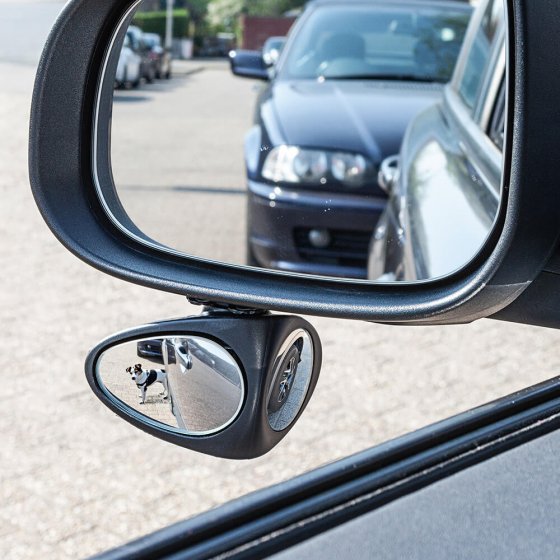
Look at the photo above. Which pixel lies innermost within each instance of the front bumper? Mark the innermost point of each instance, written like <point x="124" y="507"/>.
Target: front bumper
<point x="280" y="221"/>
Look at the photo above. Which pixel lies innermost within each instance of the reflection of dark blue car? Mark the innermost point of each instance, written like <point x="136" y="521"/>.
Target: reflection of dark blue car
<point x="350" y="78"/>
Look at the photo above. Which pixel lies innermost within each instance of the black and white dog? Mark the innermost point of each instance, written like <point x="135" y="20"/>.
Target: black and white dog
<point x="146" y="377"/>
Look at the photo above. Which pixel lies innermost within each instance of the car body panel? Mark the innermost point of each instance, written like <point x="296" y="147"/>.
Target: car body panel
<point x="357" y="116"/>
<point x="505" y="507"/>
<point x="294" y="213"/>
<point x="444" y="205"/>
<point x="447" y="196"/>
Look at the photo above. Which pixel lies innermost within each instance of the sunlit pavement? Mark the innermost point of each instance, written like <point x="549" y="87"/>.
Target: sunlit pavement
<point x="76" y="480"/>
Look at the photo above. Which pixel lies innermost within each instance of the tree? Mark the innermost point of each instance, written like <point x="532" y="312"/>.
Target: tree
<point x="197" y="9"/>
<point x="223" y="13"/>
<point x="272" y="7"/>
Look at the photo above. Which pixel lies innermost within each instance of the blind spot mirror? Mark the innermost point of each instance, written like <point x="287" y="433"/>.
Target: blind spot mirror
<point x="290" y="381"/>
<point x="197" y="390"/>
<point x="220" y="384"/>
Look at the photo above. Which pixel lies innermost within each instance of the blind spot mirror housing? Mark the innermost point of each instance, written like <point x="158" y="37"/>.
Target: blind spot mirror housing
<point x="219" y="384"/>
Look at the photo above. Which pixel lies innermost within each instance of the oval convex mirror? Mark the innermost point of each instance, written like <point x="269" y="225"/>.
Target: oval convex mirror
<point x="189" y="383"/>
<point x="285" y="171"/>
<point x="291" y="378"/>
<point x="223" y="384"/>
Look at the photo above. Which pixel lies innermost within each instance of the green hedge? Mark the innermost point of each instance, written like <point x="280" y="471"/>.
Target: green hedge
<point x="154" y="22"/>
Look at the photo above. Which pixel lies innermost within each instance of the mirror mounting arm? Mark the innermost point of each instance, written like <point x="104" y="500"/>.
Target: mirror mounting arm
<point x="211" y="308"/>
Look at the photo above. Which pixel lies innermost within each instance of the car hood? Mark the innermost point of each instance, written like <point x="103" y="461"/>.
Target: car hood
<point x="369" y="117"/>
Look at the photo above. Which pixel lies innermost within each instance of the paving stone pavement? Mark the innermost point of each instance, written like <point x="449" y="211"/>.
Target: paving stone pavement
<point x="75" y="479"/>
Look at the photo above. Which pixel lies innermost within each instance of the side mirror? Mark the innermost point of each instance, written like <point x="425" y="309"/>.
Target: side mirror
<point x="388" y="173"/>
<point x="511" y="192"/>
<point x="221" y="384"/>
<point x="248" y="64"/>
<point x="272" y="50"/>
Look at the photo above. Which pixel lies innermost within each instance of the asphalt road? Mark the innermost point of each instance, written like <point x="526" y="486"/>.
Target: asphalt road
<point x="75" y="479"/>
<point x="24" y="26"/>
<point x="177" y="151"/>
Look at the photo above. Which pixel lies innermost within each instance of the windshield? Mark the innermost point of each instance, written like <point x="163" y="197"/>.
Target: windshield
<point x="369" y="42"/>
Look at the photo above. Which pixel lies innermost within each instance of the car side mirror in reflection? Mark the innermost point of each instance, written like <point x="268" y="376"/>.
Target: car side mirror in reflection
<point x="248" y="64"/>
<point x="272" y="49"/>
<point x="388" y="173"/>
<point x="225" y="385"/>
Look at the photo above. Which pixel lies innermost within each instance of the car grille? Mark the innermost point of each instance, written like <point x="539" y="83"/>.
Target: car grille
<point x="347" y="248"/>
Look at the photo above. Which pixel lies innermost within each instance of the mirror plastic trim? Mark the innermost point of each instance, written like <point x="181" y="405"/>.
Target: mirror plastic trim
<point x="521" y="245"/>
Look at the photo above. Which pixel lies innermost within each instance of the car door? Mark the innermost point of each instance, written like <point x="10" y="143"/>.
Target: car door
<point x="481" y="484"/>
<point x="504" y="275"/>
<point x="448" y="190"/>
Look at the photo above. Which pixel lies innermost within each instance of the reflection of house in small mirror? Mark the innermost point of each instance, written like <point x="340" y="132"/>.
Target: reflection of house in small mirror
<point x="189" y="383"/>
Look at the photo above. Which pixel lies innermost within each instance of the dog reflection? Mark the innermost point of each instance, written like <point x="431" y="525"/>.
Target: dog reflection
<point x="144" y="378"/>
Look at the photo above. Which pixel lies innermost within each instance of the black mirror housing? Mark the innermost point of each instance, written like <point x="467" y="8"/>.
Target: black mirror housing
<point x="259" y="344"/>
<point x="518" y="252"/>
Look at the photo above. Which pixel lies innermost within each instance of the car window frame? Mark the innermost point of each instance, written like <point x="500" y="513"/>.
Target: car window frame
<point x="468" y="45"/>
<point x="496" y="125"/>
<point x="278" y="518"/>
<point x="489" y="99"/>
<point x="475" y="120"/>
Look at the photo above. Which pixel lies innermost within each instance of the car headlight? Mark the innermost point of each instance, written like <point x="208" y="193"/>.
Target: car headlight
<point x="349" y="168"/>
<point x="290" y="164"/>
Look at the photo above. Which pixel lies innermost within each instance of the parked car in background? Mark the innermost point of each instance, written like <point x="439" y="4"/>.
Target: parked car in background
<point x="445" y="185"/>
<point x="140" y="47"/>
<point x="129" y="68"/>
<point x="272" y="49"/>
<point x="351" y="77"/>
<point x="160" y="56"/>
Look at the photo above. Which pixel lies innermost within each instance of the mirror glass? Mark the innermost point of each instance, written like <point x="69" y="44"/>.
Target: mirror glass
<point x="291" y="378"/>
<point x="188" y="383"/>
<point x="368" y="145"/>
